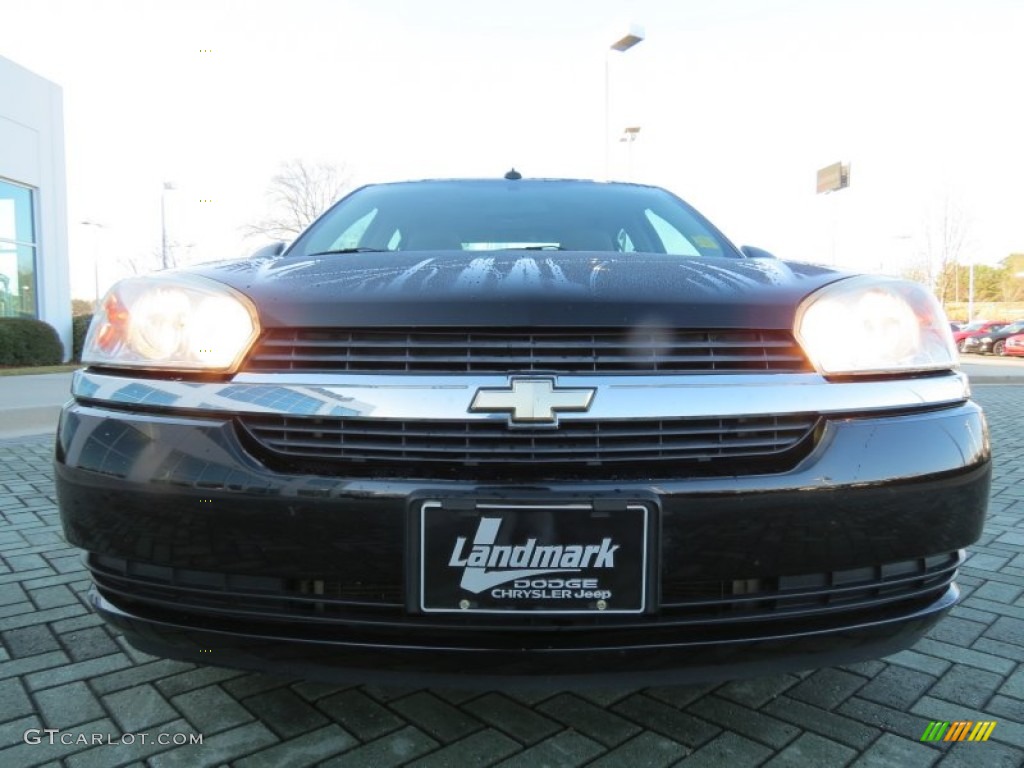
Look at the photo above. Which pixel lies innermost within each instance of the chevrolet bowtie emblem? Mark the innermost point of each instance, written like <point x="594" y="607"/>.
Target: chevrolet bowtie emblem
<point x="531" y="401"/>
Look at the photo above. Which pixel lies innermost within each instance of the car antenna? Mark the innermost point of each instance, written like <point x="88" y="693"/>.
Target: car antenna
<point x="513" y="175"/>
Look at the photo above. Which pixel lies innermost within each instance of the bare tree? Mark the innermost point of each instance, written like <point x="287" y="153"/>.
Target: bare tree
<point x="298" y="193"/>
<point x="946" y="237"/>
<point x="141" y="263"/>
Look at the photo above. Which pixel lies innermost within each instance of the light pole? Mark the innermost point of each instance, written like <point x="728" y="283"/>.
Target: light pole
<point x="970" y="293"/>
<point x="95" y="263"/>
<point x="629" y="136"/>
<point x="163" y="222"/>
<point x="634" y="35"/>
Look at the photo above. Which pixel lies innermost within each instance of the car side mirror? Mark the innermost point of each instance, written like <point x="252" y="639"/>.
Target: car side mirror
<point x="268" y="251"/>
<point x="756" y="253"/>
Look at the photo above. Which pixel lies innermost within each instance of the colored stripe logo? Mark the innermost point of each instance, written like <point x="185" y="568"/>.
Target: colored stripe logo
<point x="959" y="730"/>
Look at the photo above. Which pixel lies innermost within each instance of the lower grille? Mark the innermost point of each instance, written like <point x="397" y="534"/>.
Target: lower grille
<point x="433" y="446"/>
<point x="318" y="600"/>
<point x="813" y="591"/>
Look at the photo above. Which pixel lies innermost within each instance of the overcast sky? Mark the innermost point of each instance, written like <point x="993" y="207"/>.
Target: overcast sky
<point x="739" y="103"/>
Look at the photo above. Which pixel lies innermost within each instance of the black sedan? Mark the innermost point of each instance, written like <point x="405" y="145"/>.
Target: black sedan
<point x="993" y="342"/>
<point x="487" y="431"/>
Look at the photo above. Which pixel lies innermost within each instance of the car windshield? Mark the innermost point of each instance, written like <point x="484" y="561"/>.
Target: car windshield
<point x="531" y="215"/>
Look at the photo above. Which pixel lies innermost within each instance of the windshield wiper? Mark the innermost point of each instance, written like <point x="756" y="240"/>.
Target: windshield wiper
<point x="348" y="250"/>
<point x="537" y="248"/>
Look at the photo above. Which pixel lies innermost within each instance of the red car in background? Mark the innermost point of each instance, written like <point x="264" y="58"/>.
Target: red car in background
<point x="977" y="328"/>
<point x="1015" y="345"/>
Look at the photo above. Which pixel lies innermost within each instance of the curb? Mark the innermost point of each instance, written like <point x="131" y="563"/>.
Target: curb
<point x="27" y="422"/>
<point x="994" y="380"/>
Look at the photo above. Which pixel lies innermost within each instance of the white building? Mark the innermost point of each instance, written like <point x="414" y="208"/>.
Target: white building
<point x="34" y="277"/>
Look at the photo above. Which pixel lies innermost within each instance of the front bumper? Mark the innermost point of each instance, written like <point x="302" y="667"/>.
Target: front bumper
<point x="200" y="551"/>
<point x="977" y="346"/>
<point x="411" y="656"/>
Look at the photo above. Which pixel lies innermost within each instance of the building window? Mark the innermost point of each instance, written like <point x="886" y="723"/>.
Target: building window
<point x="17" y="251"/>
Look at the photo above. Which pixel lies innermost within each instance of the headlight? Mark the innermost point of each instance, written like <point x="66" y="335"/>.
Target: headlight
<point x="870" y="325"/>
<point x="181" y="322"/>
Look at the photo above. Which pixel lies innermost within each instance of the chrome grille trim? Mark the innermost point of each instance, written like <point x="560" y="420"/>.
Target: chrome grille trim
<point x="406" y="396"/>
<point x="559" y="351"/>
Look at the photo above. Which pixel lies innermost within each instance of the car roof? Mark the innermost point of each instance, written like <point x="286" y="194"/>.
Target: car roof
<point x="524" y="180"/>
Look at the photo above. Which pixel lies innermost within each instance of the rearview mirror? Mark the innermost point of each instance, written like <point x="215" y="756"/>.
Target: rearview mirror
<point x="756" y="253"/>
<point x="268" y="251"/>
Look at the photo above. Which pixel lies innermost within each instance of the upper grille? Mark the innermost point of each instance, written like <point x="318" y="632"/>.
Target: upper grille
<point x="451" y="350"/>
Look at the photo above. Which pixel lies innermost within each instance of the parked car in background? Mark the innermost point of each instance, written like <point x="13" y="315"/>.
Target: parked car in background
<point x="994" y="341"/>
<point x="495" y="430"/>
<point x="1015" y="345"/>
<point x="977" y="328"/>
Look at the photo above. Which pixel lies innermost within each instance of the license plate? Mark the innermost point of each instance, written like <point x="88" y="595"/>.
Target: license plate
<point x="552" y="558"/>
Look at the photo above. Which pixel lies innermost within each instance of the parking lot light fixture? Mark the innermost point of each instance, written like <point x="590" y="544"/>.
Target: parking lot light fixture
<point x="629" y="134"/>
<point x="633" y="36"/>
<point x="95" y="263"/>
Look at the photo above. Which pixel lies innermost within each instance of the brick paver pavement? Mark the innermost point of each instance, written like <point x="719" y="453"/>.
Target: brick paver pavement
<point x="61" y="668"/>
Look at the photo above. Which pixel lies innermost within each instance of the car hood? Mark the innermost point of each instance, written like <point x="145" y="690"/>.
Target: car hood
<point x="517" y="288"/>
